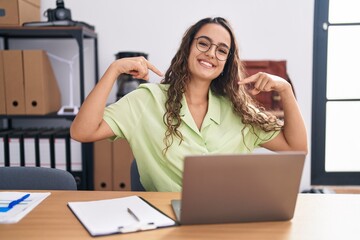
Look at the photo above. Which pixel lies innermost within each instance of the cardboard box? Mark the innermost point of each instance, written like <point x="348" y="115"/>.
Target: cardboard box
<point x="16" y="12"/>
<point x="103" y="165"/>
<point x="14" y="82"/>
<point x="29" y="84"/>
<point x="42" y="94"/>
<point x="122" y="159"/>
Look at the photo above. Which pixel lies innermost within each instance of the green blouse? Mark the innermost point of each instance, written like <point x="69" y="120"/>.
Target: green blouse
<point x="138" y="117"/>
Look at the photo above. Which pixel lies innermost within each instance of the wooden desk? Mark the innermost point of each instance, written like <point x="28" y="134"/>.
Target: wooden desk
<point x="317" y="216"/>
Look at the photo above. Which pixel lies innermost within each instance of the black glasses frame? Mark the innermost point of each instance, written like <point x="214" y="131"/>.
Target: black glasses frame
<point x="211" y="43"/>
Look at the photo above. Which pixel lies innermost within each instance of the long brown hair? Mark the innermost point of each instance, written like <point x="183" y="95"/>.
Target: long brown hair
<point x="226" y="84"/>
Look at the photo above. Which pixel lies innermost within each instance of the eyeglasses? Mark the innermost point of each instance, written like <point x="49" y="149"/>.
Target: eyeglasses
<point x="203" y="44"/>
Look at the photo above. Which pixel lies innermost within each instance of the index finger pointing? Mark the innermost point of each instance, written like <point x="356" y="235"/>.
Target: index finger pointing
<point x="250" y="79"/>
<point x="154" y="69"/>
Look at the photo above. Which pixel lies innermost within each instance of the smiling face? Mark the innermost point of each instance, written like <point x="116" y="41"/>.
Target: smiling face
<point x="205" y="65"/>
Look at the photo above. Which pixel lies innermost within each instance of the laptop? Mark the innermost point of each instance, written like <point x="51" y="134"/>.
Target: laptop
<point x="239" y="188"/>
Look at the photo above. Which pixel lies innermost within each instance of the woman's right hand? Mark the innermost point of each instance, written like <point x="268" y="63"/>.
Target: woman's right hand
<point x="138" y="67"/>
<point x="88" y="125"/>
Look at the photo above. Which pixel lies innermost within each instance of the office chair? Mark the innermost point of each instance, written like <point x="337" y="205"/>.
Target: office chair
<point x="135" y="178"/>
<point x="35" y="178"/>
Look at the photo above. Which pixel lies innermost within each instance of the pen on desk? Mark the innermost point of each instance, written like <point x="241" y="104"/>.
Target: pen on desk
<point x="133" y="214"/>
<point x="137" y="226"/>
<point x="137" y="218"/>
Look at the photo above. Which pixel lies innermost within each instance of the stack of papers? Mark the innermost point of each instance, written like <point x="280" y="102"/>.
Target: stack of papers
<point x="15" y="205"/>
<point x="120" y="215"/>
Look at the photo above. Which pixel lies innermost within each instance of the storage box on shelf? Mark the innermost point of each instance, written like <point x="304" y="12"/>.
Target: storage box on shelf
<point x="30" y="86"/>
<point x="16" y="12"/>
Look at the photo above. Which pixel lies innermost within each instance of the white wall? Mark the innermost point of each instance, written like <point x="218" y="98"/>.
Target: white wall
<point x="266" y="29"/>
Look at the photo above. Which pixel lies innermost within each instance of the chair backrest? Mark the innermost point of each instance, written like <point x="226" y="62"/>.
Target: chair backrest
<point x="135" y="178"/>
<point x="35" y="178"/>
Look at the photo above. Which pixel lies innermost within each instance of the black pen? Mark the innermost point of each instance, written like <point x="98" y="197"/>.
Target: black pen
<point x="133" y="214"/>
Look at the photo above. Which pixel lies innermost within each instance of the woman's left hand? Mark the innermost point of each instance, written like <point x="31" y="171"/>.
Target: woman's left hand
<point x="265" y="82"/>
<point x="293" y="136"/>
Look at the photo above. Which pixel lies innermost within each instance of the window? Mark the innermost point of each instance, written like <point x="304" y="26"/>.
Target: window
<point x="336" y="93"/>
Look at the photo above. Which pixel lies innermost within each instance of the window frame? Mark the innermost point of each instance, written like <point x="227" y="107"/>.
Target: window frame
<point x="318" y="174"/>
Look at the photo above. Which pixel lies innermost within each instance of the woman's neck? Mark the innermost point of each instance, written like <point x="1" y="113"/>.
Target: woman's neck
<point x="197" y="93"/>
<point x="197" y="100"/>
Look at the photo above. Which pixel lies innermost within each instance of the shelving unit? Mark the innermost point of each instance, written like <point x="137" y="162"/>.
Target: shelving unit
<point x="78" y="33"/>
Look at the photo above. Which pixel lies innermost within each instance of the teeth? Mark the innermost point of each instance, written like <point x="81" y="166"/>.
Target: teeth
<point x="206" y="63"/>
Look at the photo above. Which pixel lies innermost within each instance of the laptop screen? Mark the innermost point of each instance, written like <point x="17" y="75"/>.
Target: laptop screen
<point x="240" y="188"/>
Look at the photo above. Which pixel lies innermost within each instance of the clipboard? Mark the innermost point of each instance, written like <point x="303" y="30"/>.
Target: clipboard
<point x="119" y="215"/>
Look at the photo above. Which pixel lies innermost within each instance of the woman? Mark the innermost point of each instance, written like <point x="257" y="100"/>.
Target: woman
<point x="200" y="107"/>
